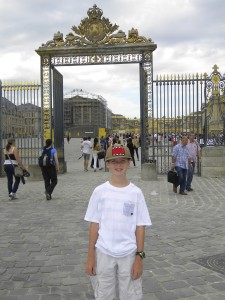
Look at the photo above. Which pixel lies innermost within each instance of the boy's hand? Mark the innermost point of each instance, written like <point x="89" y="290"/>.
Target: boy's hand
<point x="137" y="268"/>
<point x="90" y="266"/>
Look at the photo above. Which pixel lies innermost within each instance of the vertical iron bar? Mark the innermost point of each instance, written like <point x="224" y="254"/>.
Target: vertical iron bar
<point x="143" y="142"/>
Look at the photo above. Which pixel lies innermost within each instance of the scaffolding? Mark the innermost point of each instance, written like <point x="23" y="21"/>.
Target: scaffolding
<point x="85" y="112"/>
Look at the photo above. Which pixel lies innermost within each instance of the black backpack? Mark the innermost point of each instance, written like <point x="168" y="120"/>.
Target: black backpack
<point x="45" y="159"/>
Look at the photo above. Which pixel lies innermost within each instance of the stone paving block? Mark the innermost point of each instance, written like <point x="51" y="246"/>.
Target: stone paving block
<point x="220" y="286"/>
<point x="32" y="283"/>
<point x="43" y="290"/>
<point x="19" y="292"/>
<point x="70" y="281"/>
<point x="149" y="297"/>
<point x="216" y="297"/>
<point x="34" y="297"/>
<point x="174" y="285"/>
<point x="186" y="292"/>
<point x="151" y="285"/>
<point x="166" y="296"/>
<point x="198" y="297"/>
<point x="51" y="297"/>
<point x="9" y="297"/>
<point x="196" y="281"/>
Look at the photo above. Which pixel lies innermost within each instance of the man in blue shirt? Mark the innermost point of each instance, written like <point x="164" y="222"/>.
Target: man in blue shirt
<point x="181" y="161"/>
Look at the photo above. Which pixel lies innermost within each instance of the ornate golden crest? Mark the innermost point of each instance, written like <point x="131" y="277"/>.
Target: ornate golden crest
<point x="96" y="30"/>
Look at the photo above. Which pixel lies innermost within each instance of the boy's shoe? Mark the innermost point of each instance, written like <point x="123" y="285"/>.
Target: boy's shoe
<point x="94" y="170"/>
<point x="190" y="189"/>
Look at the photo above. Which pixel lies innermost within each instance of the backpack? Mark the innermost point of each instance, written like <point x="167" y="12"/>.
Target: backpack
<point x="45" y="159"/>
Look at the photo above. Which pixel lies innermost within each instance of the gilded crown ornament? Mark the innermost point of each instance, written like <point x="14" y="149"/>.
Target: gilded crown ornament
<point x="95" y="12"/>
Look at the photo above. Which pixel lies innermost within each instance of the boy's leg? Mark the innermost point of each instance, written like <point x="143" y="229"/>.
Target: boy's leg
<point x="104" y="282"/>
<point x="128" y="288"/>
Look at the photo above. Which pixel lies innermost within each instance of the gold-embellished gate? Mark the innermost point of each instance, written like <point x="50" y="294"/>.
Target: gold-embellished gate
<point x="96" y="41"/>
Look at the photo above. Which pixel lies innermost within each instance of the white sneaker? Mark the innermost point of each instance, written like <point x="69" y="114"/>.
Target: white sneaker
<point x="12" y="196"/>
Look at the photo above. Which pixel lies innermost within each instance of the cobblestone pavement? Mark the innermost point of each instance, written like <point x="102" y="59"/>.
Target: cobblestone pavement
<point x="43" y="244"/>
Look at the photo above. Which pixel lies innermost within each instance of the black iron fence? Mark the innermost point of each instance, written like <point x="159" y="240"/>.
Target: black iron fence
<point x="183" y="104"/>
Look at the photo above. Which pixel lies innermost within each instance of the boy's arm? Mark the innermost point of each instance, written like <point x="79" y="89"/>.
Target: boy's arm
<point x="137" y="268"/>
<point x="93" y="236"/>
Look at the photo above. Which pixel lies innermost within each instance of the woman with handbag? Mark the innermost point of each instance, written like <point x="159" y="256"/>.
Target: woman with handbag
<point x="12" y="161"/>
<point x="97" y="149"/>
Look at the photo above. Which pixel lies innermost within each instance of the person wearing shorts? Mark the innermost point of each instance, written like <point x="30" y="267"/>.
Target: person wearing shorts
<point x="86" y="147"/>
<point x="118" y="215"/>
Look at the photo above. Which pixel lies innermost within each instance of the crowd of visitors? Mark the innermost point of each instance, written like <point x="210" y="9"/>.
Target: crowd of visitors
<point x="94" y="152"/>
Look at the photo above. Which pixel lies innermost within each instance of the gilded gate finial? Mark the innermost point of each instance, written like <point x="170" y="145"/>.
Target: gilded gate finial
<point x="215" y="68"/>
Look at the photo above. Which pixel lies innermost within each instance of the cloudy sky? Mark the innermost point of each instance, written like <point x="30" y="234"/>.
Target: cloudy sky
<point x="190" y="38"/>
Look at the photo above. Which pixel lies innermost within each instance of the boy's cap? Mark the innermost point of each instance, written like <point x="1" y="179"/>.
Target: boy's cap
<point x="117" y="150"/>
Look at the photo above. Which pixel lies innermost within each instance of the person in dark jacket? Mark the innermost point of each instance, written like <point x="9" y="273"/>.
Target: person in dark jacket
<point x="130" y="145"/>
<point x="50" y="173"/>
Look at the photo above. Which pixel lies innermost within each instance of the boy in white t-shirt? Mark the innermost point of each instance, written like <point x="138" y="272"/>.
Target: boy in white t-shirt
<point x="118" y="214"/>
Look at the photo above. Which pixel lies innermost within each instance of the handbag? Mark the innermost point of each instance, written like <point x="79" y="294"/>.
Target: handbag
<point x="101" y="154"/>
<point x="18" y="172"/>
<point x="172" y="177"/>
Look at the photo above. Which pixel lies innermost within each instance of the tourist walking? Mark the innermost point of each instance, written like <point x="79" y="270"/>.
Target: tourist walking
<point x="50" y="170"/>
<point x="86" y="147"/>
<point x="130" y="145"/>
<point x="68" y="137"/>
<point x="96" y="149"/>
<point x="118" y="215"/>
<point x="136" y="144"/>
<point x="12" y="159"/>
<point x="181" y="161"/>
<point x="195" y="153"/>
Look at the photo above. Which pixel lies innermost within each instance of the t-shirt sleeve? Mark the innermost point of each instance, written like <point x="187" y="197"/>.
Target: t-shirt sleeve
<point x="53" y="151"/>
<point x="92" y="213"/>
<point x="143" y="217"/>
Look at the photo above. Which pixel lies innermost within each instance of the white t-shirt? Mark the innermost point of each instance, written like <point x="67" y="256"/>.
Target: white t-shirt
<point x="117" y="211"/>
<point x="86" y="146"/>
